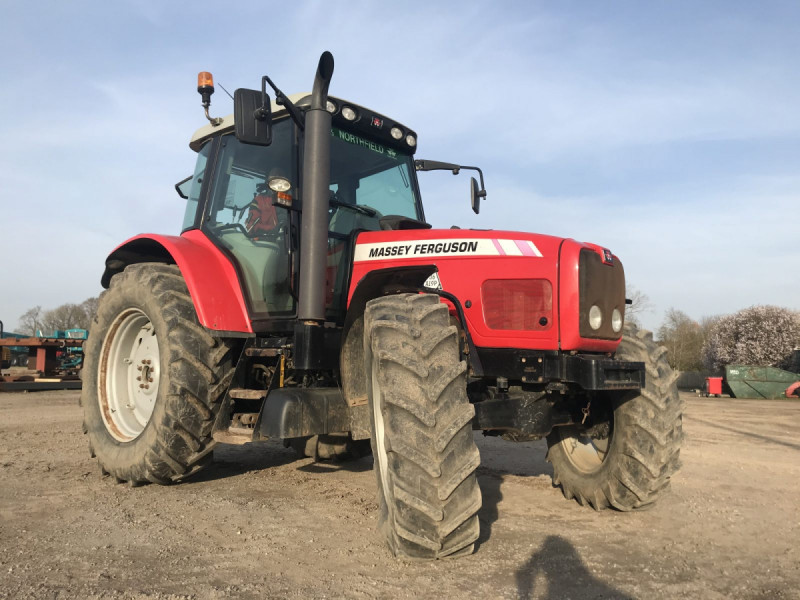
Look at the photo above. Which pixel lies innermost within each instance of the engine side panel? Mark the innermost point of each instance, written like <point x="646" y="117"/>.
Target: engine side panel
<point x="467" y="259"/>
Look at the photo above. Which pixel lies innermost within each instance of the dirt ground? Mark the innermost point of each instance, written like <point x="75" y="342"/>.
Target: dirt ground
<point x="260" y="524"/>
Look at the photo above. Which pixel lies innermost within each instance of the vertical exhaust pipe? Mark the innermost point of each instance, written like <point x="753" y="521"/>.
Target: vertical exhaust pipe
<point x="316" y="182"/>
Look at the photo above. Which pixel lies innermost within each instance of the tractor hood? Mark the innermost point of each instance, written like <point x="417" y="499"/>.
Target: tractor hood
<point x="518" y="290"/>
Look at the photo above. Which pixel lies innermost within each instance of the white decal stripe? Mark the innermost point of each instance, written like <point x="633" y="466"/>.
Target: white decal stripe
<point x="510" y="248"/>
<point x="439" y="248"/>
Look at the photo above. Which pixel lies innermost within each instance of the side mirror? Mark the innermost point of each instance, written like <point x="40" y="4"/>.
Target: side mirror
<point x="252" y="116"/>
<point x="475" y="195"/>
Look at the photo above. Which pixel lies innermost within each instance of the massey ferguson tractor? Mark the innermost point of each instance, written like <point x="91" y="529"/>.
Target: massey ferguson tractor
<point x="308" y="300"/>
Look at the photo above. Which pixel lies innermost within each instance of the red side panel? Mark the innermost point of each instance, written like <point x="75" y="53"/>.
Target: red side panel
<point x="466" y="259"/>
<point x="538" y="273"/>
<point x="210" y="277"/>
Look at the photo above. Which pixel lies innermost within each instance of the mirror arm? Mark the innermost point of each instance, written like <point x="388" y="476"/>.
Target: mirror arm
<point x="435" y="165"/>
<point x="178" y="187"/>
<point x="282" y="100"/>
<point x="482" y="192"/>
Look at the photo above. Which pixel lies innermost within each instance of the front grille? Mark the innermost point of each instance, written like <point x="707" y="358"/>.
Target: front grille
<point x="602" y="285"/>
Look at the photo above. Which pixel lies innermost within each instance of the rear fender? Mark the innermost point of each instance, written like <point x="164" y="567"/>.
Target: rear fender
<point x="210" y="277"/>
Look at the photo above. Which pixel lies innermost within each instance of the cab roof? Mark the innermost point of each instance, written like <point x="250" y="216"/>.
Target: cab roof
<point x="226" y="126"/>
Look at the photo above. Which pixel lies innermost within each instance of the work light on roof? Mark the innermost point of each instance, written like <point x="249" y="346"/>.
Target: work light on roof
<point x="411" y="140"/>
<point x="397" y="133"/>
<point x="331" y="106"/>
<point x="349" y="114"/>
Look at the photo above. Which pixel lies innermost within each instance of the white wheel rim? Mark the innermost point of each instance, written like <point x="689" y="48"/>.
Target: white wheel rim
<point x="130" y="370"/>
<point x="586" y="453"/>
<point x="380" y="442"/>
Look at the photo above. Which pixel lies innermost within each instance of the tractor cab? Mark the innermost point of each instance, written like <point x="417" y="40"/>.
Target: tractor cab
<point x="248" y="200"/>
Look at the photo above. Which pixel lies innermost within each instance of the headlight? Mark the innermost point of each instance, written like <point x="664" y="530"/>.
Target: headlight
<point x="397" y="133"/>
<point x="595" y="317"/>
<point x="279" y="184"/>
<point x="331" y="106"/>
<point x="616" y="320"/>
<point x="349" y="114"/>
<point x="411" y="140"/>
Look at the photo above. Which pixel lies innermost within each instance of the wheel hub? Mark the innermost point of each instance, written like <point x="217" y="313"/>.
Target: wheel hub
<point x="129" y="375"/>
<point x="586" y="452"/>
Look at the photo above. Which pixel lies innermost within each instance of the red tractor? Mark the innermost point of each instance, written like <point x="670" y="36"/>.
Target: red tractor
<point x="308" y="300"/>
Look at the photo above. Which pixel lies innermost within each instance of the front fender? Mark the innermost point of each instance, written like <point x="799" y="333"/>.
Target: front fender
<point x="210" y="277"/>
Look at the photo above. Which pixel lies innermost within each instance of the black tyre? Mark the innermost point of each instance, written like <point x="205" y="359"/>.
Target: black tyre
<point x="629" y="463"/>
<point x="425" y="455"/>
<point x="153" y="378"/>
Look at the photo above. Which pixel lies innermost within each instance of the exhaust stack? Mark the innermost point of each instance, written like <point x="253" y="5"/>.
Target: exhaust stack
<point x="316" y="181"/>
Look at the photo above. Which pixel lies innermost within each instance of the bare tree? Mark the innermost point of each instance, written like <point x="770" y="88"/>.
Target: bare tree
<point x="683" y="338"/>
<point x="640" y="303"/>
<point x="89" y="307"/>
<point x="66" y="316"/>
<point x="30" y="321"/>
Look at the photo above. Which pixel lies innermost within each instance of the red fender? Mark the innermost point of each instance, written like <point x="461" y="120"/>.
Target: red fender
<point x="211" y="278"/>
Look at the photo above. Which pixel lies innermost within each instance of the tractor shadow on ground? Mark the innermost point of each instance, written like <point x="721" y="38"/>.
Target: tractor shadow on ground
<point x="489" y="483"/>
<point x="232" y="460"/>
<point x="556" y="570"/>
<point x="500" y="458"/>
<point x="359" y="465"/>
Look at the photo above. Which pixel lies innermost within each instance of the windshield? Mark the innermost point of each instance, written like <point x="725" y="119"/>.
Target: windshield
<point x="368" y="174"/>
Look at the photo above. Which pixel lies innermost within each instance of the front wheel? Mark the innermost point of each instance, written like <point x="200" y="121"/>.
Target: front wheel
<point x="153" y="378"/>
<point x="627" y="461"/>
<point x="425" y="455"/>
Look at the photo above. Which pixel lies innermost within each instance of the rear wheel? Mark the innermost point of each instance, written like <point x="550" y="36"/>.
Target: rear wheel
<point x="425" y="455"/>
<point x="626" y="463"/>
<point x="153" y="378"/>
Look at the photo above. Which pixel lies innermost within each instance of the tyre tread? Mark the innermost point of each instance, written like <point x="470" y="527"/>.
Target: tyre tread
<point x="431" y="454"/>
<point x="648" y="434"/>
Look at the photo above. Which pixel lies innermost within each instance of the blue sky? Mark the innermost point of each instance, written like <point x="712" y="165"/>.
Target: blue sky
<point x="668" y="132"/>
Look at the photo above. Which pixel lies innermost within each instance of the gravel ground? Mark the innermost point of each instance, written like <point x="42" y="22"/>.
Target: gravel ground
<point x="261" y="524"/>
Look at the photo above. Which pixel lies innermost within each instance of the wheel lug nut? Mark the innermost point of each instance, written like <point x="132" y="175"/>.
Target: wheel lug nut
<point x="150" y="379"/>
<point x="141" y="385"/>
<point x="138" y="379"/>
